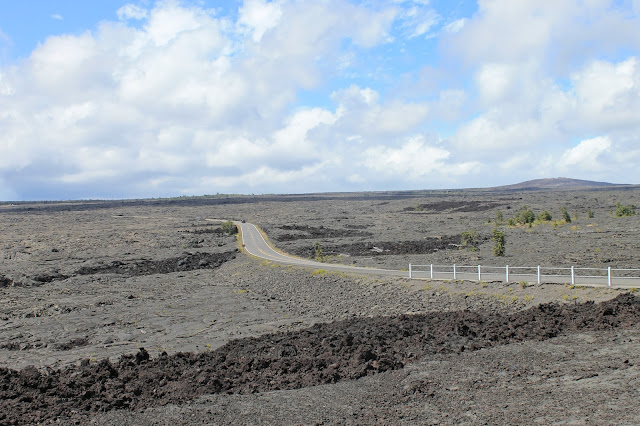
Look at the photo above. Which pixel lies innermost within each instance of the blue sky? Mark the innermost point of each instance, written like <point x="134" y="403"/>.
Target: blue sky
<point x="124" y="99"/>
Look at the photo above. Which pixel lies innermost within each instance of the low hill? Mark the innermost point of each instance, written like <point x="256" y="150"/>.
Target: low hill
<point x="560" y="183"/>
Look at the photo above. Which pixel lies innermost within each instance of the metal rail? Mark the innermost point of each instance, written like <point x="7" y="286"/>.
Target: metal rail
<point x="570" y="274"/>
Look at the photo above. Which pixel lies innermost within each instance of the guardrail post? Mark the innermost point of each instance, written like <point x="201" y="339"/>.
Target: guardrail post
<point x="454" y="271"/>
<point x="507" y="271"/>
<point x="431" y="271"/>
<point x="479" y="274"/>
<point x="573" y="276"/>
<point x="410" y="271"/>
<point x="609" y="276"/>
<point x="538" y="274"/>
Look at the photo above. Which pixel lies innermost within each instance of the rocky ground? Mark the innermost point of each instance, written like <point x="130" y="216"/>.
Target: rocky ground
<point x="227" y="338"/>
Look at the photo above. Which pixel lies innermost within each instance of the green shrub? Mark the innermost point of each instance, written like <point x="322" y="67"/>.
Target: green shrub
<point x="229" y="227"/>
<point x="544" y="216"/>
<point x="590" y="214"/>
<point x="498" y="242"/>
<point x="317" y="250"/>
<point x="469" y="240"/>
<point x="525" y="216"/>
<point x="622" y="211"/>
<point x="565" y="215"/>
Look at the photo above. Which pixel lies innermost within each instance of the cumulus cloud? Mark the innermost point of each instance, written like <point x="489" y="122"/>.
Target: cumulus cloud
<point x="132" y="11"/>
<point x="455" y="26"/>
<point x="360" y="111"/>
<point x="187" y="100"/>
<point x="613" y="104"/>
<point x="179" y="96"/>
<point x="418" y="20"/>
<point x="560" y="33"/>
<point x="259" y="16"/>
<point x="585" y="155"/>
<point x="415" y="158"/>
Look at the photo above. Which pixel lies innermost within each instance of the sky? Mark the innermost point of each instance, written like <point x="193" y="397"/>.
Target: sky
<point x="143" y="98"/>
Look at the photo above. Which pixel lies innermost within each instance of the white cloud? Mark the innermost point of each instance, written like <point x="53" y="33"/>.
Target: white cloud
<point x="132" y="11"/>
<point x="178" y="97"/>
<point x="585" y="155"/>
<point x="259" y="16"/>
<point x="413" y="160"/>
<point x="169" y="21"/>
<point x="497" y="81"/>
<point x="57" y="17"/>
<point x="487" y="135"/>
<point x="559" y="33"/>
<point x="522" y="107"/>
<point x="360" y="112"/>
<point x="189" y="100"/>
<point x="455" y="26"/>
<point x="615" y="103"/>
<point x="419" y="20"/>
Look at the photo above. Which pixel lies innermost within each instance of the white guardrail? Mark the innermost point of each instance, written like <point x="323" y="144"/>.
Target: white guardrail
<point x="540" y="274"/>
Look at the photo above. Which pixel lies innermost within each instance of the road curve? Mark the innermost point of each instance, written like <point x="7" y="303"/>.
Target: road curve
<point x="255" y="244"/>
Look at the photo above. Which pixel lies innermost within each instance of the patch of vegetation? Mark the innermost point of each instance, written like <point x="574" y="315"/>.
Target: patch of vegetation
<point x="498" y="242"/>
<point x="320" y="272"/>
<point x="565" y="215"/>
<point x="229" y="227"/>
<point x="317" y="250"/>
<point x="544" y="216"/>
<point x="525" y="216"/>
<point x="623" y="211"/>
<point x="469" y="240"/>
<point x="590" y="214"/>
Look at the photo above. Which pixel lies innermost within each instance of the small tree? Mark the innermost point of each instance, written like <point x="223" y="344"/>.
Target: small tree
<point x="525" y="216"/>
<point x="590" y="214"/>
<point x="498" y="242"/>
<point x="544" y="216"/>
<point x="565" y="215"/>
<point x="317" y="250"/>
<point x="499" y="217"/>
<point x="229" y="227"/>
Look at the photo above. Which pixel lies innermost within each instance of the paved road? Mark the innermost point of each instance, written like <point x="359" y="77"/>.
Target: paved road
<point x="256" y="245"/>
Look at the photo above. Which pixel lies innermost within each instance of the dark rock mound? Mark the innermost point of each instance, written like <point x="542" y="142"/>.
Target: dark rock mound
<point x="324" y="353"/>
<point x="187" y="262"/>
<point x="454" y="207"/>
<point x="5" y="282"/>
<point x="426" y="245"/>
<point x="310" y="232"/>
